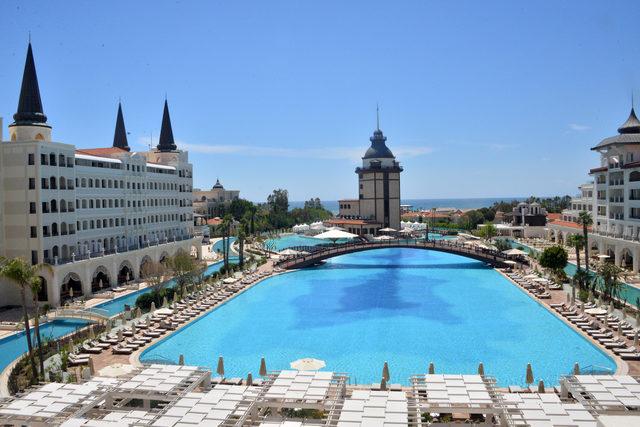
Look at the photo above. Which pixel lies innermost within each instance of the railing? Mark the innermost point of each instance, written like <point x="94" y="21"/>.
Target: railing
<point x="314" y="254"/>
<point x="91" y="314"/>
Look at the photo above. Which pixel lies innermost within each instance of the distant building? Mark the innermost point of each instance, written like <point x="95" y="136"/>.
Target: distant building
<point x="378" y="204"/>
<point x="529" y="214"/>
<point x="206" y="202"/>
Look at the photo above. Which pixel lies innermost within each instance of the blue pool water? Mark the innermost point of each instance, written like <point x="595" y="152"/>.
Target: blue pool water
<point x="13" y="346"/>
<point x="404" y="306"/>
<point x="217" y="247"/>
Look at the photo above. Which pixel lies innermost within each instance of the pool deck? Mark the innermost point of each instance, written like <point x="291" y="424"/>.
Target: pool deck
<point x="631" y="367"/>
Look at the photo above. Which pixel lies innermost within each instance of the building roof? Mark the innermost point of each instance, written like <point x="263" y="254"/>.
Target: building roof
<point x="569" y="224"/>
<point x="166" y="142"/>
<point x="378" y="147"/>
<point x="29" y="105"/>
<point x="120" y="135"/>
<point x="338" y="221"/>
<point x="102" y="152"/>
<point x="629" y="133"/>
<point x="217" y="185"/>
<point x="553" y="216"/>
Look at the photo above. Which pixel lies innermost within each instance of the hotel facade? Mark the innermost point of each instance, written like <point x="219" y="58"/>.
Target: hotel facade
<point x="613" y="199"/>
<point x="95" y="215"/>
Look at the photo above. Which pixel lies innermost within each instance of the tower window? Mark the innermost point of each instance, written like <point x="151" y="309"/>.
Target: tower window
<point x="31" y="159"/>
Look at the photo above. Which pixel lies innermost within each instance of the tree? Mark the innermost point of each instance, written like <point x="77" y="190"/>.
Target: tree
<point x="225" y="228"/>
<point x="23" y="275"/>
<point x="183" y="266"/>
<point x="584" y="219"/>
<point x="577" y="241"/>
<point x="153" y="272"/>
<point x="554" y="258"/>
<point x="609" y="279"/>
<point x="278" y="201"/>
<point x="242" y="235"/>
<point x="488" y="231"/>
<point x="36" y="285"/>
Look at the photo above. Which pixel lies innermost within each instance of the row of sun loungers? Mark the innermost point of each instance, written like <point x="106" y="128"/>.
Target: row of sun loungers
<point x="594" y="326"/>
<point x="141" y="332"/>
<point x="536" y="289"/>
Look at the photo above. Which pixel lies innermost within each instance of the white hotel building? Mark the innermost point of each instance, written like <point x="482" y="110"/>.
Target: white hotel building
<point x="613" y="199"/>
<point x="96" y="215"/>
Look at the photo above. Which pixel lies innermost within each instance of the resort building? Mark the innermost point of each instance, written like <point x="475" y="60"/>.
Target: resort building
<point x="613" y="199"/>
<point x="206" y="202"/>
<point x="378" y="203"/>
<point x="95" y="215"/>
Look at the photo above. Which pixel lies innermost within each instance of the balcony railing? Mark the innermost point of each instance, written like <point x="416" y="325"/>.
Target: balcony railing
<point x="616" y="182"/>
<point x="616" y="199"/>
<point x="96" y="254"/>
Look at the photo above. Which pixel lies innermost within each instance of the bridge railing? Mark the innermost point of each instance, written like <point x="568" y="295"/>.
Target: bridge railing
<point x="342" y="248"/>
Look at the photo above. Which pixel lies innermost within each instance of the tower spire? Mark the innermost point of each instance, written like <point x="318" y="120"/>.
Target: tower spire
<point x="377" y="117"/>
<point x="120" y="135"/>
<point x="30" y="110"/>
<point x="166" y="141"/>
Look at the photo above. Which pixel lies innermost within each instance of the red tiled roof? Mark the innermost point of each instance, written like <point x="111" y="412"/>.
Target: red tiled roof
<point x="631" y="165"/>
<point x="554" y="216"/>
<point x="101" y="152"/>
<point x="214" y="221"/>
<point x="570" y="224"/>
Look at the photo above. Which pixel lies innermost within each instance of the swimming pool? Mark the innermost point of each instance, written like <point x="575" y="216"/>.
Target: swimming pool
<point x="13" y="346"/>
<point x="404" y="306"/>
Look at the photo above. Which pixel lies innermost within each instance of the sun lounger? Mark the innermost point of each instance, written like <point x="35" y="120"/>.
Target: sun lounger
<point x="75" y="359"/>
<point x="631" y="356"/>
<point x="86" y="348"/>
<point x="121" y="350"/>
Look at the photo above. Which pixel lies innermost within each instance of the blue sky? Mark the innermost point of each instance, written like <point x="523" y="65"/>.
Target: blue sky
<point x="477" y="99"/>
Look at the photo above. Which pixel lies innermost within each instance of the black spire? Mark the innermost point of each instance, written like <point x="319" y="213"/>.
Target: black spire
<point x="166" y="142"/>
<point x="30" y="105"/>
<point x="120" y="136"/>
<point x="632" y="125"/>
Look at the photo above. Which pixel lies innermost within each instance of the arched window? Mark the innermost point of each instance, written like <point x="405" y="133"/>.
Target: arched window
<point x="54" y="206"/>
<point x="63" y="183"/>
<point x="52" y="159"/>
<point x="52" y="181"/>
<point x="54" y="229"/>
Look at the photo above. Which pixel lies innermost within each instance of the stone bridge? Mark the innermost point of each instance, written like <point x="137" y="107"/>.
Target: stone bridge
<point x="319" y="253"/>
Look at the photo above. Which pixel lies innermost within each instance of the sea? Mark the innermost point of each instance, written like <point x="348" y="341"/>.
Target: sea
<point x="420" y="204"/>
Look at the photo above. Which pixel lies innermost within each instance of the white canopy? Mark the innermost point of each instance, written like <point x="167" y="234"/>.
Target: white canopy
<point x="335" y="235"/>
<point x="383" y="238"/>
<point x="288" y="252"/>
<point x="513" y="252"/>
<point x="387" y="230"/>
<point x="307" y="364"/>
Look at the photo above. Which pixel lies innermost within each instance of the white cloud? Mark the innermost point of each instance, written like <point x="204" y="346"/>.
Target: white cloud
<point x="326" y="153"/>
<point x="578" y="128"/>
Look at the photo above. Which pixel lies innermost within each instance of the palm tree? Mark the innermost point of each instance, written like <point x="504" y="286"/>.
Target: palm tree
<point x="35" y="286"/>
<point x="242" y="235"/>
<point x="610" y="279"/>
<point x="23" y="275"/>
<point x="225" y="228"/>
<point x="584" y="219"/>
<point x="576" y="241"/>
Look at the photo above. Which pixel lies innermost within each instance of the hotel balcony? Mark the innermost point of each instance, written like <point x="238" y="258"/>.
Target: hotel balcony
<point x="121" y="249"/>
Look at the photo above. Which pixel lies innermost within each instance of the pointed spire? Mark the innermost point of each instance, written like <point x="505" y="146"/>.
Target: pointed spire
<point x="632" y="125"/>
<point x="377" y="117"/>
<point x="166" y="142"/>
<point x="120" y="135"/>
<point x="29" y="105"/>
